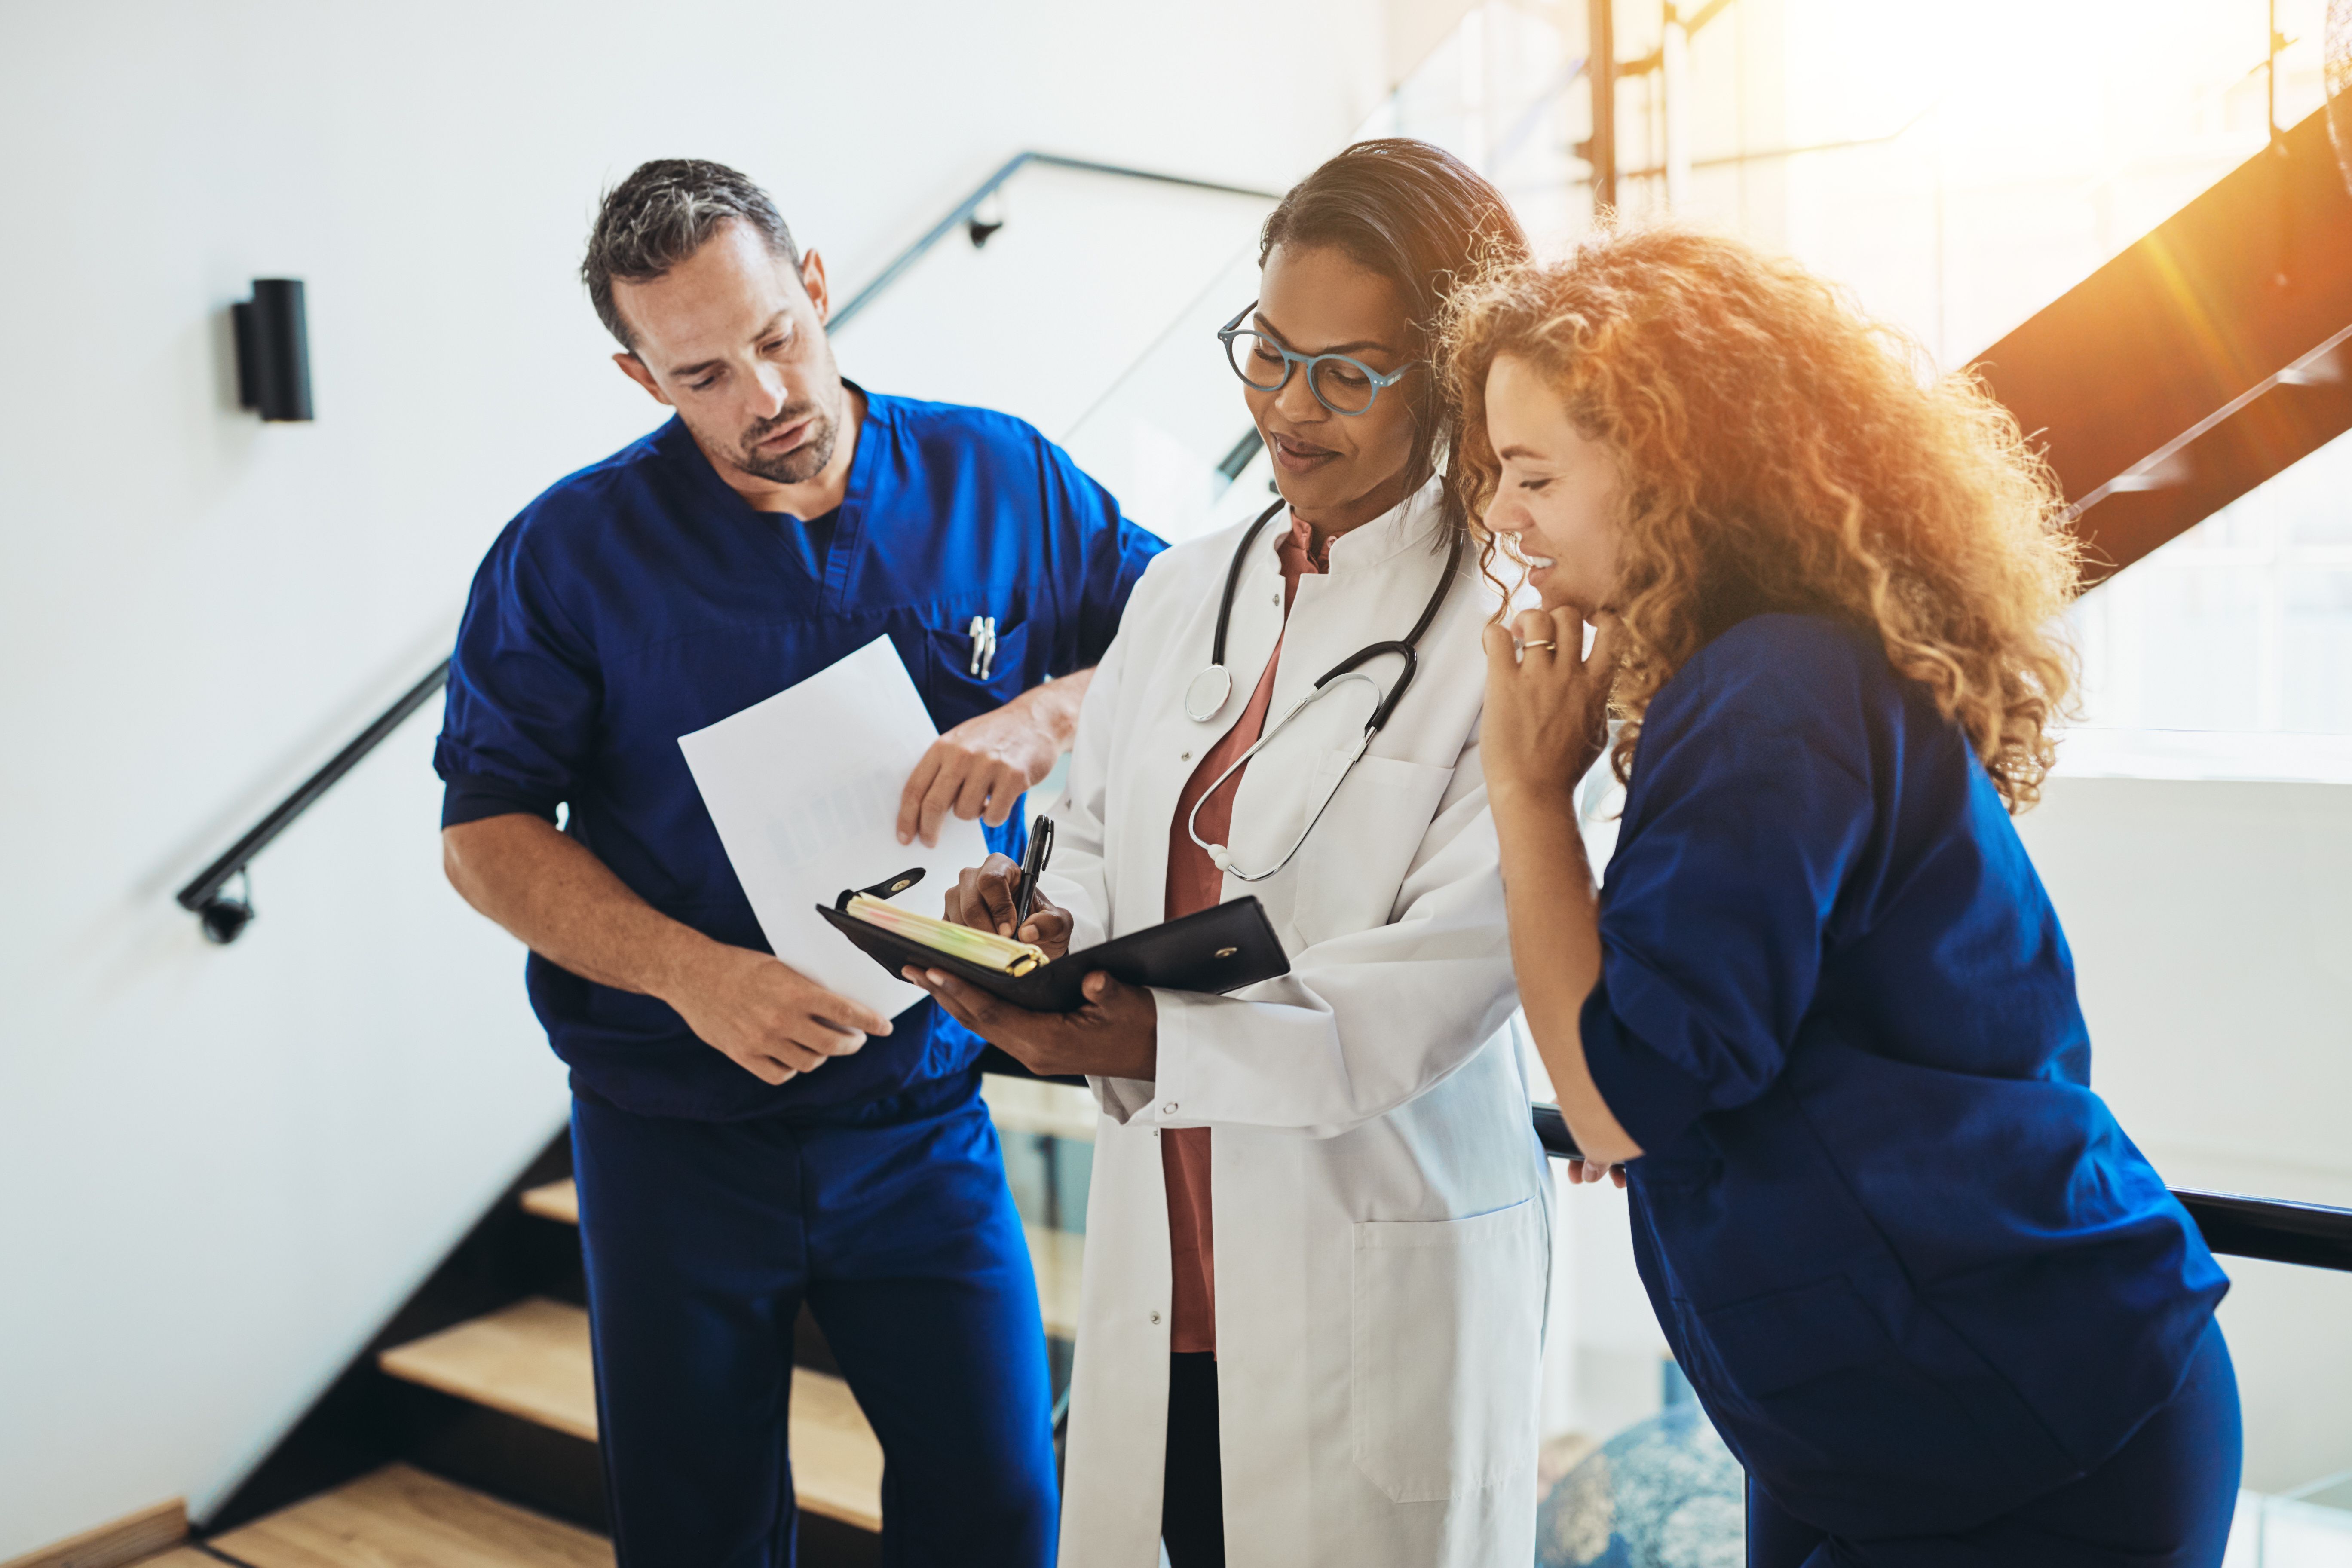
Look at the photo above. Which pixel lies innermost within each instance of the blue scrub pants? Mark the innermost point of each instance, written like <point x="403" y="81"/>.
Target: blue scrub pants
<point x="893" y="1222"/>
<point x="2164" y="1500"/>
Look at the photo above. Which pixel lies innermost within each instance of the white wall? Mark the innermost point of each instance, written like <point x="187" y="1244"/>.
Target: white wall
<point x="219" y="1170"/>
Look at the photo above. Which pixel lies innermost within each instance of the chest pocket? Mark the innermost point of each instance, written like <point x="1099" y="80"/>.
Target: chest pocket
<point x="962" y="681"/>
<point x="1352" y="864"/>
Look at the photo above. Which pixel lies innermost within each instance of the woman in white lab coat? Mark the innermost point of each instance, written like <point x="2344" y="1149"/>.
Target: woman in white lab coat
<point x="1317" y="1250"/>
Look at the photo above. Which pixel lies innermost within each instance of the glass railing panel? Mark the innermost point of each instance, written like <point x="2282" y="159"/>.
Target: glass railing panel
<point x="1059" y="302"/>
<point x="2242" y="626"/>
<point x="2285" y="1325"/>
<point x="1047" y="1131"/>
<point x="2308" y="1526"/>
<point x="1629" y="1469"/>
<point x="1171" y="437"/>
<point x="1503" y="90"/>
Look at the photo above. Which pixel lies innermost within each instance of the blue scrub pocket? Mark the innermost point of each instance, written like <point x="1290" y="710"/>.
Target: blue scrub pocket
<point x="1777" y="1341"/>
<point x="1828" y="1410"/>
<point x="956" y="687"/>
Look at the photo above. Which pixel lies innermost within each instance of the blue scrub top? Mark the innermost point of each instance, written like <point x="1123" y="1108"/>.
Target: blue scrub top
<point x="641" y="599"/>
<point x="1914" y="1270"/>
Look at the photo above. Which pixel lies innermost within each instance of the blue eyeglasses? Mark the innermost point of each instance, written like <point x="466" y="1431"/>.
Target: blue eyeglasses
<point x="1344" y="386"/>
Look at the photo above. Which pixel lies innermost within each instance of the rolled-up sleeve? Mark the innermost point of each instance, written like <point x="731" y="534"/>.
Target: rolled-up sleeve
<point x="520" y="720"/>
<point x="1749" y="808"/>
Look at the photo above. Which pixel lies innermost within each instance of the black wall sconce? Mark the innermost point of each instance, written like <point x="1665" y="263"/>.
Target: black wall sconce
<point x="273" y="351"/>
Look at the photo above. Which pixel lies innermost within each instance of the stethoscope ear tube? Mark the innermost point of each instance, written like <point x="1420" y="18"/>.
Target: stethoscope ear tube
<point x="1200" y="685"/>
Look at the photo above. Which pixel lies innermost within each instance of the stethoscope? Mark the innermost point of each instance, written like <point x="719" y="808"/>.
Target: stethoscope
<point x="1210" y="689"/>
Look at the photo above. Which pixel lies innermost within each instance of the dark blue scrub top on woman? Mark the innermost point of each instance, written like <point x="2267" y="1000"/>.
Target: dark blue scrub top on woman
<point x="1914" y="1270"/>
<point x="641" y="599"/>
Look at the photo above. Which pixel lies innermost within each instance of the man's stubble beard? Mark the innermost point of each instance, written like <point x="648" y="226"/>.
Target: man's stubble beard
<point x="804" y="462"/>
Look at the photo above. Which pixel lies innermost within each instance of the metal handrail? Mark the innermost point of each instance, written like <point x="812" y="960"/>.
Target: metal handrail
<point x="224" y="917"/>
<point x="963" y="210"/>
<point x="2278" y="1229"/>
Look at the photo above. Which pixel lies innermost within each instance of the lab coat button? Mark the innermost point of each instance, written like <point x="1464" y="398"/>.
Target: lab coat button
<point x="1169" y="1109"/>
<point x="1155" y="1316"/>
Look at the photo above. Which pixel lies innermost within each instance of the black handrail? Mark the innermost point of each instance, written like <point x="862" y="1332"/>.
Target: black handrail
<point x="225" y="917"/>
<point x="964" y="209"/>
<point x="2313" y="1234"/>
<point x="2278" y="1229"/>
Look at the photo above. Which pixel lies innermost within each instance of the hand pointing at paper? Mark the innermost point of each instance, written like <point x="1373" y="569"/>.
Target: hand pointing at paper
<point x="981" y="767"/>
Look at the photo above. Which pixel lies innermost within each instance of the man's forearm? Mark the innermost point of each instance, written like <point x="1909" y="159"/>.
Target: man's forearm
<point x="1056" y="703"/>
<point x="566" y="905"/>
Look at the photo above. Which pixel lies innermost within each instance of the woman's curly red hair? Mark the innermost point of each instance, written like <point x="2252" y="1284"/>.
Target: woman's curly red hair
<point x="1779" y="451"/>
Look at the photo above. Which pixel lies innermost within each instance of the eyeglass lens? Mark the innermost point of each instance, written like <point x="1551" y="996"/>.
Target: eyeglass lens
<point x="1343" y="387"/>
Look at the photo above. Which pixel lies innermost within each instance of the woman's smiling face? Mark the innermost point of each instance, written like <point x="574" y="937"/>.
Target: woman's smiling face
<point x="1336" y="471"/>
<point x="1557" y="501"/>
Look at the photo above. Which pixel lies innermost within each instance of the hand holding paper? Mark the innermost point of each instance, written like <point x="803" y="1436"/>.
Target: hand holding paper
<point x="805" y="789"/>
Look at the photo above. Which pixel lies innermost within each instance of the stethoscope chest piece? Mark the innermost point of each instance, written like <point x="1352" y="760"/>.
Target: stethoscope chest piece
<point x="1206" y="696"/>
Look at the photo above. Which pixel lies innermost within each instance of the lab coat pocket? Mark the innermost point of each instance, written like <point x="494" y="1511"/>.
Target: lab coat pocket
<point x="1447" y="1351"/>
<point x="1356" y="859"/>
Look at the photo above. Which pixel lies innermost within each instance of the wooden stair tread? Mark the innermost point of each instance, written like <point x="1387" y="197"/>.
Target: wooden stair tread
<point x="402" y="1518"/>
<point x="529" y="1360"/>
<point x="558" y="1201"/>
<point x="180" y="1557"/>
<point x="532" y="1360"/>
<point x="1057" y="1257"/>
<point x="836" y="1458"/>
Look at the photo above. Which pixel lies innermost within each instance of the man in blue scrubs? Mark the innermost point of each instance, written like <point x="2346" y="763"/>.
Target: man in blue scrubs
<point x="745" y="1141"/>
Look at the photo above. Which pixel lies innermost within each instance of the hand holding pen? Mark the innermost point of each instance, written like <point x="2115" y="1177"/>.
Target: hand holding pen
<point x="999" y="896"/>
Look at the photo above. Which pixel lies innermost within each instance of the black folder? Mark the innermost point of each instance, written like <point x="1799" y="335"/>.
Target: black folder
<point x="1215" y="951"/>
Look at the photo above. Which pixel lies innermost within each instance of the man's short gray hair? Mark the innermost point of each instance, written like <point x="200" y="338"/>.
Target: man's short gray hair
<point x="661" y="214"/>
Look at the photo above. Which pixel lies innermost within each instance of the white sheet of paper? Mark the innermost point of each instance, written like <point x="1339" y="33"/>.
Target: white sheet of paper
<point x="805" y="790"/>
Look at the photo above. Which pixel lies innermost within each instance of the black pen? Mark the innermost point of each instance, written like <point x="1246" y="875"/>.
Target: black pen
<point x="1032" y="865"/>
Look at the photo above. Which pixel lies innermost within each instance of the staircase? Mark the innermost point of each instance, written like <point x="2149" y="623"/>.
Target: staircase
<point x="531" y="1360"/>
<point x="465" y="1435"/>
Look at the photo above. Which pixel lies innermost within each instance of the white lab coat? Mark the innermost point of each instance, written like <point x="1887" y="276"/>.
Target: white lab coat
<point x="1381" y="1205"/>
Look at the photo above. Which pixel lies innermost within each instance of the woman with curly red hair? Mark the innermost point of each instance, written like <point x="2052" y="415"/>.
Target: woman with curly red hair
<point x="1822" y="1019"/>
